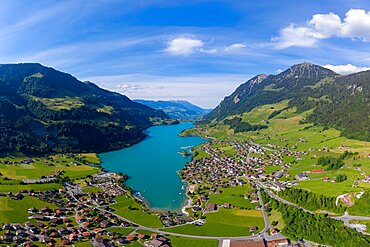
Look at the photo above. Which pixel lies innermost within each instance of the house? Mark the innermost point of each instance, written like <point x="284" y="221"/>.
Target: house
<point x="301" y="176"/>
<point x="44" y="239"/>
<point x="253" y="229"/>
<point x="40" y="217"/>
<point x="130" y="238"/>
<point x="99" y="242"/>
<point x="158" y="242"/>
<point x="141" y="236"/>
<point x="210" y="207"/>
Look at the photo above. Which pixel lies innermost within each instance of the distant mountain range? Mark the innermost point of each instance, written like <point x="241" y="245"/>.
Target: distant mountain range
<point x="338" y="101"/>
<point x="177" y="109"/>
<point x="45" y="110"/>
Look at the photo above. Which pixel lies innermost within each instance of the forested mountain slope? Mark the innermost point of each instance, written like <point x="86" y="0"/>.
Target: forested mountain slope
<point x="45" y="110"/>
<point x="338" y="101"/>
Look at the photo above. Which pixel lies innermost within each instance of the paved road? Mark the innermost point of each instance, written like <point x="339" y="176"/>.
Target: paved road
<point x="267" y="223"/>
<point x="161" y="231"/>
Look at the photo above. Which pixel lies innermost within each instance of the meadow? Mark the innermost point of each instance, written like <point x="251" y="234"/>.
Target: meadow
<point x="234" y="196"/>
<point x="14" y="211"/>
<point x="224" y="223"/>
<point x="73" y="166"/>
<point x="129" y="209"/>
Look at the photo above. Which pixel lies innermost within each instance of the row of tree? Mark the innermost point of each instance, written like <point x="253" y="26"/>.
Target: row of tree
<point x="318" y="228"/>
<point x="311" y="201"/>
<point x="238" y="125"/>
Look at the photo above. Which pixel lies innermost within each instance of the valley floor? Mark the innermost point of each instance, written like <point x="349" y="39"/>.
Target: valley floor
<point x="243" y="186"/>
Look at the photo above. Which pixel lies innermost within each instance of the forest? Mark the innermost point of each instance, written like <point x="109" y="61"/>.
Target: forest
<point x="318" y="228"/>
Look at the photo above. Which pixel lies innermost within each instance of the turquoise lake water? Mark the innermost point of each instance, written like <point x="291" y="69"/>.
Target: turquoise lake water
<point x="152" y="165"/>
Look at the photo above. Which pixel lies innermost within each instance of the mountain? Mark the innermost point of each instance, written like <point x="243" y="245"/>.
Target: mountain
<point x="177" y="109"/>
<point x="337" y="101"/>
<point x="45" y="110"/>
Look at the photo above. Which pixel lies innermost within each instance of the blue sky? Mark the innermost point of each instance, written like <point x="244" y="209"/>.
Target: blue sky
<point x="194" y="50"/>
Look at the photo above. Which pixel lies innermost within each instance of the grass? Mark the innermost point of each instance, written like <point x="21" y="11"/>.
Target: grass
<point x="186" y="242"/>
<point x="92" y="189"/>
<point x="121" y="230"/>
<point x="234" y="196"/>
<point x="327" y="188"/>
<point x="43" y="166"/>
<point x="106" y="109"/>
<point x="224" y="223"/>
<point x="135" y="214"/>
<point x="36" y="187"/>
<point x="58" y="104"/>
<point x="361" y="206"/>
<point x="275" y="215"/>
<point x="83" y="244"/>
<point x="14" y="211"/>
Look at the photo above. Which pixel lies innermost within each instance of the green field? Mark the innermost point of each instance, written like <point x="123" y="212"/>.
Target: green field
<point x="328" y="188"/>
<point x="234" y="196"/>
<point x="135" y="214"/>
<point x="58" y="104"/>
<point x="36" y="187"/>
<point x="187" y="242"/>
<point x="121" y="230"/>
<point x="224" y="223"/>
<point x="275" y="215"/>
<point x="14" y="211"/>
<point x="73" y="166"/>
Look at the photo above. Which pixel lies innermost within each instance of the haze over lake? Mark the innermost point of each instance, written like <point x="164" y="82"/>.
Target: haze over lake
<point x="152" y="165"/>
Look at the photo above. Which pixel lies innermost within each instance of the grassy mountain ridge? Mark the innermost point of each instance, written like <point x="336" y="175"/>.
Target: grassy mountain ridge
<point x="44" y="110"/>
<point x="338" y="101"/>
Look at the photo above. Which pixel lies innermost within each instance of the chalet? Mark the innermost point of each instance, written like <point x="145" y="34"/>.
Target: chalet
<point x="40" y="224"/>
<point x="66" y="242"/>
<point x="28" y="224"/>
<point x="141" y="236"/>
<point x="210" y="208"/>
<point x="40" y="217"/>
<point x="301" y="176"/>
<point x="44" y="239"/>
<point x="86" y="234"/>
<point x="130" y="238"/>
<point x="253" y="229"/>
<point x="99" y="242"/>
<point x="158" y="242"/>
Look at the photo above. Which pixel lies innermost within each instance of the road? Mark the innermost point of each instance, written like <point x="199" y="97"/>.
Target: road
<point x="267" y="223"/>
<point x="161" y="231"/>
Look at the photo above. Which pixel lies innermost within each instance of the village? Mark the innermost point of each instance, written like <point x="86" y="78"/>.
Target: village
<point x="78" y="217"/>
<point x="249" y="162"/>
<point x="87" y="216"/>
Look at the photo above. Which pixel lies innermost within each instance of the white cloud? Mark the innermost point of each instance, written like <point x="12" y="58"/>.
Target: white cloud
<point x="208" y="51"/>
<point x="355" y="25"/>
<point x="235" y="47"/>
<point x="183" y="46"/>
<point x="346" y="69"/>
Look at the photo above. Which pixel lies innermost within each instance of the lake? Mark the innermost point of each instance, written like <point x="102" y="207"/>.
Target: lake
<point x="152" y="165"/>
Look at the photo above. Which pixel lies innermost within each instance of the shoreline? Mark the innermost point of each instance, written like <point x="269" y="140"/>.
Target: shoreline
<point x="180" y="203"/>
